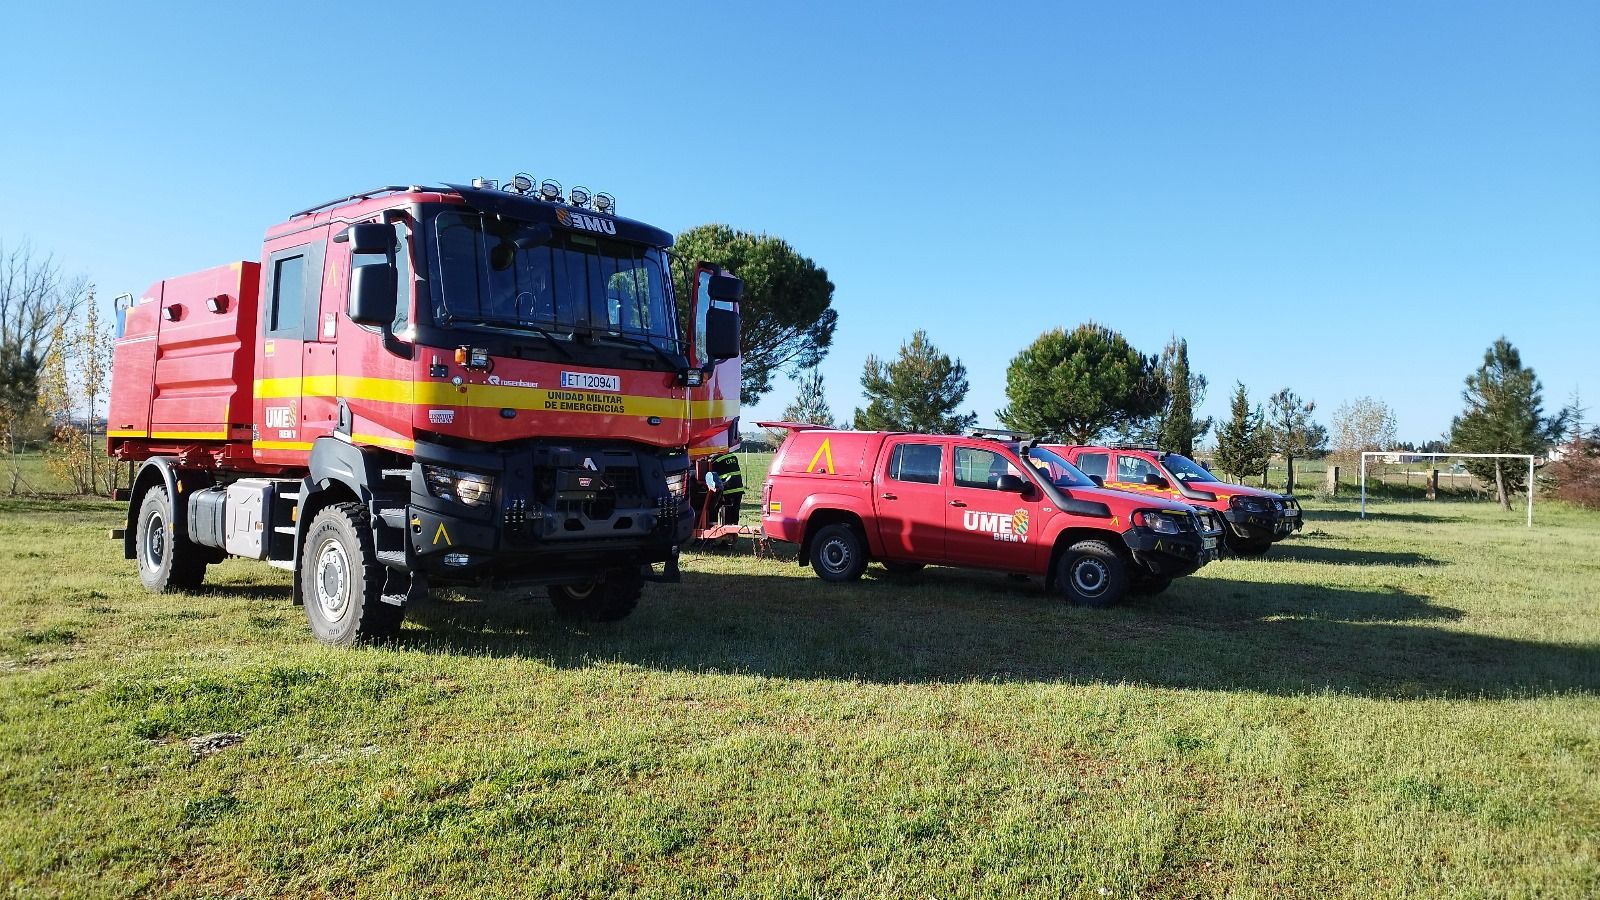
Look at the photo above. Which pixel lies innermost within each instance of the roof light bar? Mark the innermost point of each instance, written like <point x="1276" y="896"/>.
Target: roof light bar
<point x="550" y="190"/>
<point x="579" y="196"/>
<point x="604" y="202"/>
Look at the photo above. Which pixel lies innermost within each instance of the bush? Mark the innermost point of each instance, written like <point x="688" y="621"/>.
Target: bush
<point x="1575" y="477"/>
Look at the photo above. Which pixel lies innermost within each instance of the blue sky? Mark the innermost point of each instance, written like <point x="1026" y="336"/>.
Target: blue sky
<point x="1344" y="199"/>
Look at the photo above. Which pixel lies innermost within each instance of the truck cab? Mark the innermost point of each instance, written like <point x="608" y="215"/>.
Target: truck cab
<point x="413" y="383"/>
<point x="1256" y="519"/>
<point x="910" y="500"/>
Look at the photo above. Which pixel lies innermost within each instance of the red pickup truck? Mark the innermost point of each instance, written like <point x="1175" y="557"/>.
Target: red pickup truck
<point x="1256" y="519"/>
<point x="909" y="500"/>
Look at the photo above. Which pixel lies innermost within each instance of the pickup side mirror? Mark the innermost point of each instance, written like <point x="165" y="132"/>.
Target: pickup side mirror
<point x="1012" y="483"/>
<point x="372" y="289"/>
<point x="1098" y="481"/>
<point x="722" y="333"/>
<point x="1154" y="480"/>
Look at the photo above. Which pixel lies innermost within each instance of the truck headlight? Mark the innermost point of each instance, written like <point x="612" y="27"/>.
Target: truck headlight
<point x="678" y="486"/>
<point x="1158" y="522"/>
<point x="466" y="488"/>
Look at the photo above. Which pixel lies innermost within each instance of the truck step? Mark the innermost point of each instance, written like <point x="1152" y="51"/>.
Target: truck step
<point x="393" y="516"/>
<point x="395" y="559"/>
<point x="284" y="529"/>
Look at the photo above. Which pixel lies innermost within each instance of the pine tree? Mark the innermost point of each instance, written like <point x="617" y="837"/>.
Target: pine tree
<point x="810" y="402"/>
<point x="1290" y="430"/>
<point x="1078" y="385"/>
<point x="1504" y="414"/>
<point x="1178" y="429"/>
<point x="918" y="391"/>
<point x="1241" y="444"/>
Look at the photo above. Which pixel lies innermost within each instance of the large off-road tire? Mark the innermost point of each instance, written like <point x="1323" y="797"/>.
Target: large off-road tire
<point x="903" y="568"/>
<point x="341" y="580"/>
<point x="837" y="553"/>
<point x="606" y="599"/>
<point x="1145" y="585"/>
<point x="168" y="561"/>
<point x="1091" y="573"/>
<point x="1248" y="546"/>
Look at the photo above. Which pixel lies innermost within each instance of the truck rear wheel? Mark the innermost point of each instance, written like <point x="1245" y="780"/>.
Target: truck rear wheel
<point x="1090" y="573"/>
<point x="342" y="582"/>
<point x="603" y="600"/>
<point x="837" y="553"/>
<point x="167" y="560"/>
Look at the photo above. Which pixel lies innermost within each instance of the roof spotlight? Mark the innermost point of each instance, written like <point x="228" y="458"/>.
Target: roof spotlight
<point x="485" y="184"/>
<point x="604" y="202"/>
<point x="522" y="183"/>
<point x="579" y="196"/>
<point x="550" y="189"/>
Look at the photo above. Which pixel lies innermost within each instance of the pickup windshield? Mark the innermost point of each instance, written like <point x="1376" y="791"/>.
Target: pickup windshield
<point x="519" y="276"/>
<point x="1060" y="473"/>
<point x="1185" y="469"/>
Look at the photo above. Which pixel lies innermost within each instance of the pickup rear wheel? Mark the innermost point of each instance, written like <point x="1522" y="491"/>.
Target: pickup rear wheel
<point x="167" y="560"/>
<point x="603" y="600"/>
<point x="1249" y="546"/>
<point x="837" y="553"/>
<point x="1090" y="573"/>
<point x="342" y="580"/>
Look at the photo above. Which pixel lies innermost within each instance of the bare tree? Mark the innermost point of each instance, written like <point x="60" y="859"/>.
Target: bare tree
<point x="36" y="300"/>
<point x="1362" y="424"/>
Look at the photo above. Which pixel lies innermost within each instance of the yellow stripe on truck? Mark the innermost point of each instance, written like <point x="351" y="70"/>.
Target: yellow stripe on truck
<point x="489" y="396"/>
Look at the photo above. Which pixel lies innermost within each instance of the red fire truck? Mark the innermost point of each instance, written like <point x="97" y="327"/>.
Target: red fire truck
<point x="988" y="501"/>
<point x="427" y="383"/>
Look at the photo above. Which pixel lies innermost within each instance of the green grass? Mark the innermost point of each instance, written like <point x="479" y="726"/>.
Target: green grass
<point x="1403" y="706"/>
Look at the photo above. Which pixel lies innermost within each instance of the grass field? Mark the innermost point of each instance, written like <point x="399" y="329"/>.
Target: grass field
<point x="1403" y="706"/>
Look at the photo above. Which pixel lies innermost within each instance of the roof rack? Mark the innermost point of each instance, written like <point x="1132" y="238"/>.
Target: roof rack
<point x="361" y="195"/>
<point x="1132" y="445"/>
<point x="999" y="434"/>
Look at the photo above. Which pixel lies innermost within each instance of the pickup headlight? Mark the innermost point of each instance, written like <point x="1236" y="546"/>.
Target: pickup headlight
<point x="1160" y="523"/>
<point x="466" y="488"/>
<point x="1250" y="504"/>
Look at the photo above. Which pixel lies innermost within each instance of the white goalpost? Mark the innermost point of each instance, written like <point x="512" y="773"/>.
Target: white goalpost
<point x="1436" y="457"/>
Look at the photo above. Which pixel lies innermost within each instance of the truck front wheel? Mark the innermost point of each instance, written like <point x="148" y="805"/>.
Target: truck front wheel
<point x="342" y="581"/>
<point x="603" y="600"/>
<point x="167" y="560"/>
<point x="1090" y="573"/>
<point x="837" y="553"/>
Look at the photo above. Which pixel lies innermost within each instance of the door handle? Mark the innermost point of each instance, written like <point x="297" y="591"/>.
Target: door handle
<point x="957" y="503"/>
<point x="888" y="497"/>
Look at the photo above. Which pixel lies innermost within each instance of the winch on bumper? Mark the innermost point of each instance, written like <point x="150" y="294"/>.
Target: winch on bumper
<point x="545" y="512"/>
<point x="1263" y="518"/>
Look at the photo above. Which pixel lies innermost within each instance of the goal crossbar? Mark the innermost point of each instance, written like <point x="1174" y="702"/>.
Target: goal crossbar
<point x="1436" y="457"/>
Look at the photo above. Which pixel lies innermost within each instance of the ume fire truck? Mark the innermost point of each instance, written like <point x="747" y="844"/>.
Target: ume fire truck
<point x="427" y="383"/>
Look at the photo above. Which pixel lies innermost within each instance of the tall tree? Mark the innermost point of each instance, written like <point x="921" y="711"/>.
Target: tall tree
<point x="810" y="402"/>
<point x="1177" y="428"/>
<point x="1077" y="385"/>
<point x="1504" y="414"/>
<point x="1241" y="444"/>
<point x="918" y="391"/>
<point x="786" y="317"/>
<point x="37" y="301"/>
<point x="1362" y="424"/>
<point x="1291" y="431"/>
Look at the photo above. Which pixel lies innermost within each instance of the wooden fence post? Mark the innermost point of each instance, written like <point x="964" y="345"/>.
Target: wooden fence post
<point x="1333" y="480"/>
<point x="1433" y="484"/>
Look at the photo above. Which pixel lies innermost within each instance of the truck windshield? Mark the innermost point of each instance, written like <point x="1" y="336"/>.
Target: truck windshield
<point x="513" y="275"/>
<point x="1061" y="473"/>
<point x="1185" y="469"/>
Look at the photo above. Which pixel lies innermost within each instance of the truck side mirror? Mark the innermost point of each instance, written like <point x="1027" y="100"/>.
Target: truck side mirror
<point x="368" y="237"/>
<point x="372" y="290"/>
<point x="1154" y="480"/>
<point x="722" y="333"/>
<point x="726" y="288"/>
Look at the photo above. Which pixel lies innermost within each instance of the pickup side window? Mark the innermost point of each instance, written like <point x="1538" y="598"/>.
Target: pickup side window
<point x="982" y="468"/>
<point x="1133" y="469"/>
<point x="1093" y="463"/>
<point x="917" y="463"/>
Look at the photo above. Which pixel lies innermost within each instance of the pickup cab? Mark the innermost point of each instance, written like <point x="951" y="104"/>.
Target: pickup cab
<point x="910" y="500"/>
<point x="1256" y="519"/>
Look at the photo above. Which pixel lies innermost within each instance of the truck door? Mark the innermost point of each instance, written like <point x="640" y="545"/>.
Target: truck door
<point x="985" y="525"/>
<point x="291" y="291"/>
<point x="909" y="496"/>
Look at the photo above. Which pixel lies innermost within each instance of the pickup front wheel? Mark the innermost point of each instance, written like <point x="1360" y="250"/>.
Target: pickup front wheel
<point x="1090" y="573"/>
<point x="837" y="553"/>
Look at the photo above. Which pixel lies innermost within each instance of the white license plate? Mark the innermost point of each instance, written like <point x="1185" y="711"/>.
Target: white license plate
<point x="1209" y="543"/>
<point x="590" y="381"/>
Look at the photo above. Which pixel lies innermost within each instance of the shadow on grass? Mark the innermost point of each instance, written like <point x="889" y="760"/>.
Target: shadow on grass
<point x="950" y="625"/>
<point x="1296" y="552"/>
<point x="1354" y="515"/>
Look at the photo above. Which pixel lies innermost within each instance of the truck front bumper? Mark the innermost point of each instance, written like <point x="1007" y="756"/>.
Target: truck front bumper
<point x="1272" y="525"/>
<point x="1172" y="555"/>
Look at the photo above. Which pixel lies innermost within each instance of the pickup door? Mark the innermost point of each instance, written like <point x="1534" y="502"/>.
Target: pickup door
<point x="989" y="527"/>
<point x="909" y="498"/>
